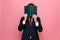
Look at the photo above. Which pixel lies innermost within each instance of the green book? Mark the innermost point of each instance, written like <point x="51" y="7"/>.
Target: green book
<point x="30" y="10"/>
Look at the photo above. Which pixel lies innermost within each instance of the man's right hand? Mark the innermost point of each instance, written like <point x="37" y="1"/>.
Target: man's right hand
<point x="25" y="17"/>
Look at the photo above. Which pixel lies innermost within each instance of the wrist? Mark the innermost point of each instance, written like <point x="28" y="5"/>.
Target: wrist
<point x="25" y="20"/>
<point x="35" y="20"/>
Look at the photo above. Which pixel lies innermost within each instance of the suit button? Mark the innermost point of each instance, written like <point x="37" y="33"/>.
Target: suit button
<point x="30" y="37"/>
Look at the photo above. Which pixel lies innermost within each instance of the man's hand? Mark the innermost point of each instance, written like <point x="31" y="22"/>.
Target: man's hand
<point x="35" y="19"/>
<point x="25" y="17"/>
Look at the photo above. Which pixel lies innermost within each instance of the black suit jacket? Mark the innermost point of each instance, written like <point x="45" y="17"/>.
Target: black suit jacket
<point x="30" y="30"/>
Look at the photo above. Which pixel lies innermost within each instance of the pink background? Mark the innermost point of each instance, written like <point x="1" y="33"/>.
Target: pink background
<point x="12" y="10"/>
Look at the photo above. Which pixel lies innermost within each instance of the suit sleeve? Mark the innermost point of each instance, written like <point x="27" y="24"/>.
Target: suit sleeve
<point x="39" y="28"/>
<point x="21" y="26"/>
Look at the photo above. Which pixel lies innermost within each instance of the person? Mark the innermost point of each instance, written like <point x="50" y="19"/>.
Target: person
<point x="30" y="26"/>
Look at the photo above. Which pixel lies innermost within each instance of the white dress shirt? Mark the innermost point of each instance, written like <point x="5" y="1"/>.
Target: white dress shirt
<point x="37" y="23"/>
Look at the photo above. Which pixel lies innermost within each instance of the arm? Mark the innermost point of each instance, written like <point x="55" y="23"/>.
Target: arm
<point x="21" y="24"/>
<point x="38" y="25"/>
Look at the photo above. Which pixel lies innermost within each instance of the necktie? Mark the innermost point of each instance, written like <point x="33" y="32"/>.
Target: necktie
<point x="30" y="22"/>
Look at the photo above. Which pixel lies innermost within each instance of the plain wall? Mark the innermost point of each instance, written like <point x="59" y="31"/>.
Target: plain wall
<point x="12" y="10"/>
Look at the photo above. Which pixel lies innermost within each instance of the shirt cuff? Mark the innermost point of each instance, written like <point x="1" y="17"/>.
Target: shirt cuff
<point x="23" y="22"/>
<point x="37" y="24"/>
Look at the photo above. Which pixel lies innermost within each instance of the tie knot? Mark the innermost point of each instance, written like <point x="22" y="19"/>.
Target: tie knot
<point x="30" y="22"/>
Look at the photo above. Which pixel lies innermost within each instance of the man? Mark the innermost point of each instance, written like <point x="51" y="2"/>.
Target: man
<point x="30" y="25"/>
